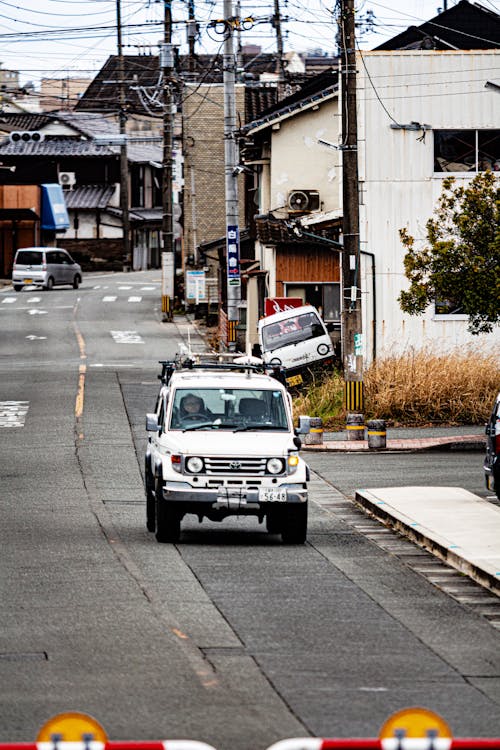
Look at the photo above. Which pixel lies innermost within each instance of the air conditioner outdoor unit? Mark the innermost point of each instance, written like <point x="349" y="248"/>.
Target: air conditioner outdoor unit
<point x="67" y="179"/>
<point x="303" y="201"/>
<point x="33" y="136"/>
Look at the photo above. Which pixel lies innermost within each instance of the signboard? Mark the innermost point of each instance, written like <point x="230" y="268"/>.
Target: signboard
<point x="196" y="288"/>
<point x="358" y="344"/>
<point x="279" y="304"/>
<point x="233" y="255"/>
<point x="167" y="274"/>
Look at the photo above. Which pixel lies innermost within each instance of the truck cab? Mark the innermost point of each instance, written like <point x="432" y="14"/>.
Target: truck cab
<point x="221" y="442"/>
<point x="295" y="339"/>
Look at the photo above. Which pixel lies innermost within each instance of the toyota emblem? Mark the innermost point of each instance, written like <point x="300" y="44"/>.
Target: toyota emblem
<point x="235" y="465"/>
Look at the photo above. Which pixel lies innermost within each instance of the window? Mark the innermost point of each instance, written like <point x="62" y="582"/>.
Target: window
<point x="466" y="150"/>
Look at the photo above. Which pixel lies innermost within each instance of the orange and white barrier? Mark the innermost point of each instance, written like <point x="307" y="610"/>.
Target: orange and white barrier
<point x="76" y="731"/>
<point x="410" y="729"/>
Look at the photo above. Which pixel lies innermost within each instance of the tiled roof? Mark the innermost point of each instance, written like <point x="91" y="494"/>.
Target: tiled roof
<point x="89" y="196"/>
<point x="23" y="121"/>
<point x="86" y="123"/>
<point x="56" y="147"/>
<point x="463" y="26"/>
<point x="142" y="71"/>
<point x="67" y="146"/>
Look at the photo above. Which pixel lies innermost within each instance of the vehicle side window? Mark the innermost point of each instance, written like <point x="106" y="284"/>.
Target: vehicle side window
<point x="52" y="257"/>
<point x="65" y="259"/>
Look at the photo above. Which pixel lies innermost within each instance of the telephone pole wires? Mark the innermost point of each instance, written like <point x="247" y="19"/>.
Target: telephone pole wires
<point x="124" y="191"/>
<point x="231" y="179"/>
<point x="167" y="231"/>
<point x="352" y="337"/>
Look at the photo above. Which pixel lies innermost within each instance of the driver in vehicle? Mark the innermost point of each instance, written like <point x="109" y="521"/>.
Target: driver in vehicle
<point x="192" y="406"/>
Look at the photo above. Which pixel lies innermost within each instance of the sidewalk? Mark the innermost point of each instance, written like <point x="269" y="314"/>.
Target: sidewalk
<point x="455" y="525"/>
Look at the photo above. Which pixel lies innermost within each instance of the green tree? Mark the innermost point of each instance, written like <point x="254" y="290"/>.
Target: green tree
<point x="460" y="258"/>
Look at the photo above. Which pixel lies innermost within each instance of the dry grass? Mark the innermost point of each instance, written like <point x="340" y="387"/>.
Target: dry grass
<point x="417" y="388"/>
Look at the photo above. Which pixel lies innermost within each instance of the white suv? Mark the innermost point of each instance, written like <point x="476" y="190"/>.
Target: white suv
<point x="222" y="443"/>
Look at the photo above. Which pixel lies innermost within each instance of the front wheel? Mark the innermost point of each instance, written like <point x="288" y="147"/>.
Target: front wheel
<point x="168" y="519"/>
<point x="294" y="524"/>
<point x="76" y="282"/>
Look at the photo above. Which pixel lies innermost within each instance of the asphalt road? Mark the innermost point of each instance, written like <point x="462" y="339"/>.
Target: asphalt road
<point x="230" y="636"/>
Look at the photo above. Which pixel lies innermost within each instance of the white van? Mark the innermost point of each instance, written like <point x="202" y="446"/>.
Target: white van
<point x="295" y="339"/>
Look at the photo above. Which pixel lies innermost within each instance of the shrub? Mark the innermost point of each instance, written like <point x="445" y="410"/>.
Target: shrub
<point x="416" y="388"/>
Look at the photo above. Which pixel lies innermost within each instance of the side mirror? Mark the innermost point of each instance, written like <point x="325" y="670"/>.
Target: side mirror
<point x="297" y="442"/>
<point x="304" y="426"/>
<point x="152" y="423"/>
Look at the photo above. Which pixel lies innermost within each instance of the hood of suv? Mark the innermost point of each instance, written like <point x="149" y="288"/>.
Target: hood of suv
<point x="226" y="443"/>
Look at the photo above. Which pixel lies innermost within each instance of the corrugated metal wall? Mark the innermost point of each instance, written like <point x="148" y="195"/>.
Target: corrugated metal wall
<point x="444" y="90"/>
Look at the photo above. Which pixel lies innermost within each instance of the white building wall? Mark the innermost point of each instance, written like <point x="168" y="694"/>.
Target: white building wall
<point x="299" y="162"/>
<point x="445" y="90"/>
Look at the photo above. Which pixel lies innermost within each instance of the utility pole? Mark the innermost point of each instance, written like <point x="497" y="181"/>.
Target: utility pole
<point x="167" y="231"/>
<point x="279" y="45"/>
<point x="231" y="180"/>
<point x="191" y="34"/>
<point x="352" y="337"/>
<point x="124" y="192"/>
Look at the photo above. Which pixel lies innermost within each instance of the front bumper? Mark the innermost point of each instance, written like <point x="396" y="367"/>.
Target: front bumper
<point x="229" y="498"/>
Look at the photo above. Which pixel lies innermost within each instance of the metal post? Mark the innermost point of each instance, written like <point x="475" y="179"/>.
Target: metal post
<point x="124" y="192"/>
<point x="231" y="180"/>
<point x="352" y="337"/>
<point x="168" y="259"/>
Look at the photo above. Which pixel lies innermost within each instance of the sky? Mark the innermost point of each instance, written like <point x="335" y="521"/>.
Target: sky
<point x="64" y="38"/>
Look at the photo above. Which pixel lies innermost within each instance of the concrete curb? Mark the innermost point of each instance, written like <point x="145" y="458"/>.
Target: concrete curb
<point x="410" y="445"/>
<point x="483" y="570"/>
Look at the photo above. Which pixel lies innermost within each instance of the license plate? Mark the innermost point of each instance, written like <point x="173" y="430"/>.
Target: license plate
<point x="294" y="380"/>
<point x="272" y="495"/>
<point x="28" y="281"/>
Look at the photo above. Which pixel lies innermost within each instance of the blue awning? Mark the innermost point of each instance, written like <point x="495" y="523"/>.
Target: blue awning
<point x="54" y="211"/>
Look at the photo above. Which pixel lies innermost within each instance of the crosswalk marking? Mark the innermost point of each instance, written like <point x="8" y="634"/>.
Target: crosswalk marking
<point x="134" y="299"/>
<point x="13" y="413"/>
<point x="8" y="300"/>
<point x="127" y="337"/>
<point x="109" y="298"/>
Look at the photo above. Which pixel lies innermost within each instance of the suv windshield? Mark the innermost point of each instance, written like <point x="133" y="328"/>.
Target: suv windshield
<point x="291" y="331"/>
<point x="228" y="408"/>
<point x="29" y="257"/>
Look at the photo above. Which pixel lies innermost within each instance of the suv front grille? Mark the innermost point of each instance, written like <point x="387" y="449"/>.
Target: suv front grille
<point x="239" y="466"/>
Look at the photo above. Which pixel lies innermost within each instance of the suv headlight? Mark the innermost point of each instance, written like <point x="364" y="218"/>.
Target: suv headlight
<point x="194" y="464"/>
<point x="274" y="466"/>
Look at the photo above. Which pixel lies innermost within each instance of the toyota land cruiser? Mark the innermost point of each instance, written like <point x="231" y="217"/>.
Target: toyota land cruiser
<point x="222" y="443"/>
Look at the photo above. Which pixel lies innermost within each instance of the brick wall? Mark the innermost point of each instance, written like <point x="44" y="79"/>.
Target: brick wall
<point x="203" y="111"/>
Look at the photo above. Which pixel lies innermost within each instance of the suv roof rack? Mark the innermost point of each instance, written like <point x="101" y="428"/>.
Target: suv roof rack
<point x="219" y="361"/>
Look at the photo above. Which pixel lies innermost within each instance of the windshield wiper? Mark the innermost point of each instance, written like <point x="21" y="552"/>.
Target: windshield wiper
<point x="212" y="425"/>
<point x="201" y="426"/>
<point x="259" y="427"/>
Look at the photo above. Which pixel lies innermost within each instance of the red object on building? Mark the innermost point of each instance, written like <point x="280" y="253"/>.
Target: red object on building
<point x="274" y="305"/>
